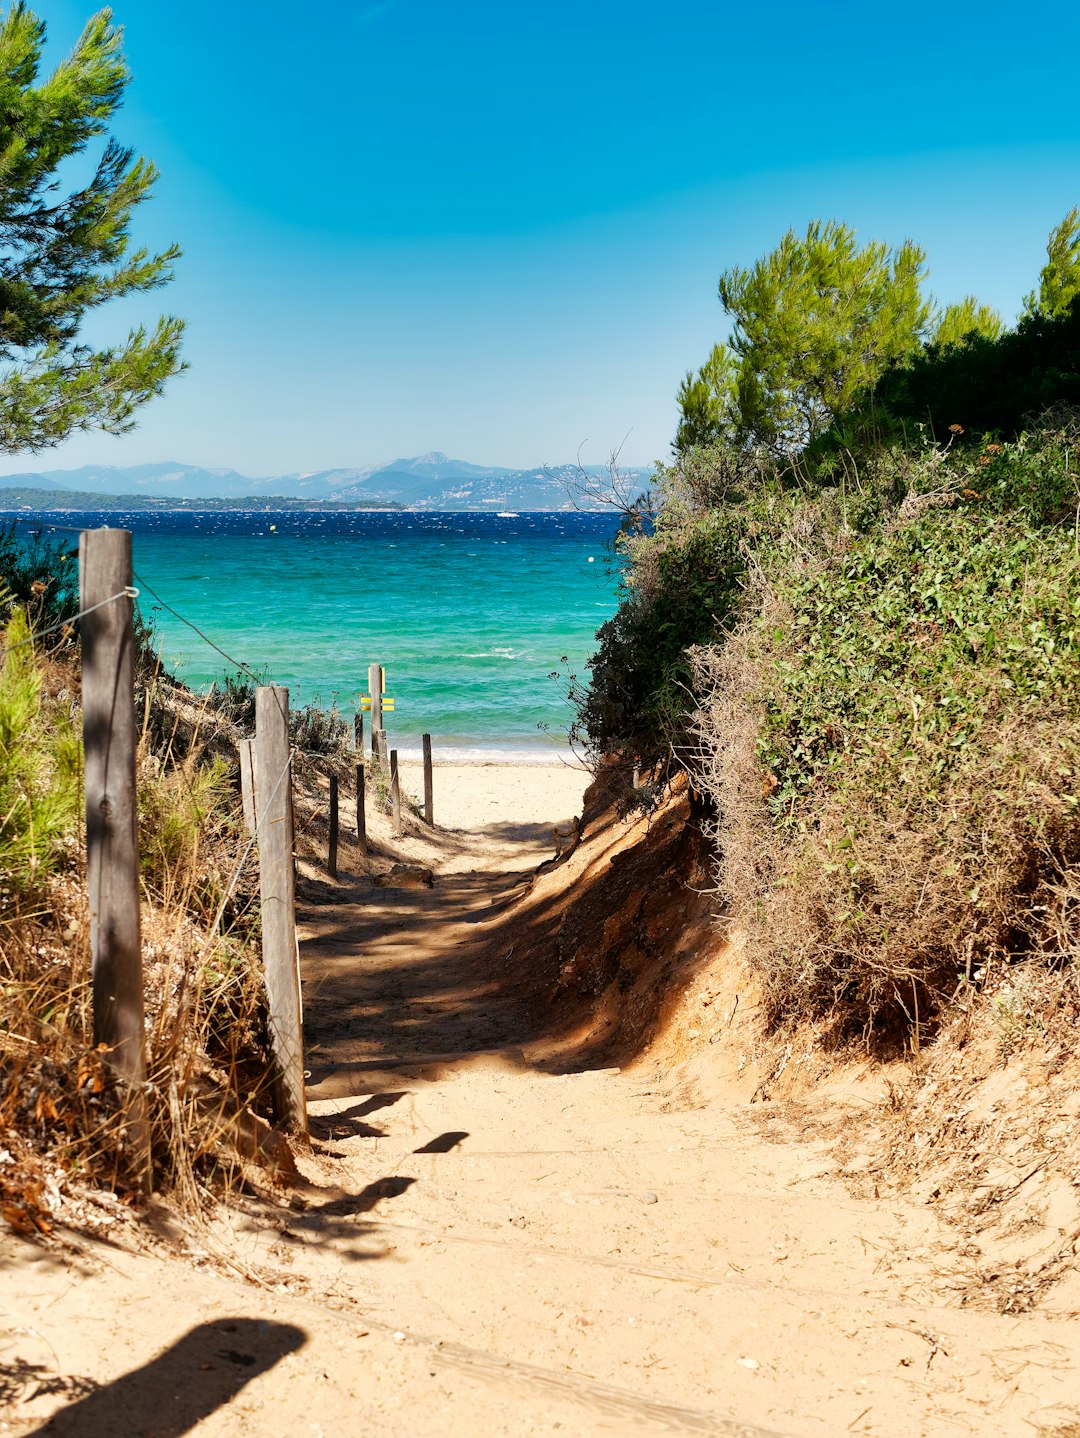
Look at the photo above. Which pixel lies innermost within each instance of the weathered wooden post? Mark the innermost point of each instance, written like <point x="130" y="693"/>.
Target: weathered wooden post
<point x="381" y="755"/>
<point x="112" y="850"/>
<point x="395" y="792"/>
<point x="429" y="786"/>
<point x="331" y="858"/>
<point x="375" y="686"/>
<point x="358" y="731"/>
<point x="361" y="814"/>
<point x="248" y="792"/>
<point x="277" y="886"/>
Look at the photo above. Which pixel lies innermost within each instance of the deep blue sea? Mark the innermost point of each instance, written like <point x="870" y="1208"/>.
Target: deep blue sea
<point x="469" y="613"/>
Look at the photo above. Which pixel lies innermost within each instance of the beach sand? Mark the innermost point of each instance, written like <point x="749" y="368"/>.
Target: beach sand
<point x="511" y="799"/>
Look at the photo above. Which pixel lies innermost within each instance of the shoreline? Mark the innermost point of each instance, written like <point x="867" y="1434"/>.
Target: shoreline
<point x="457" y="756"/>
<point x="513" y="800"/>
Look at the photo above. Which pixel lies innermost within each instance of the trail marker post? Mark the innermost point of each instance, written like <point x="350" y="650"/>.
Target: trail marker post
<point x="331" y="858"/>
<point x="112" y="851"/>
<point x="395" y="792"/>
<point x="429" y="786"/>
<point x="361" y="814"/>
<point x="375" y="679"/>
<point x="277" y="888"/>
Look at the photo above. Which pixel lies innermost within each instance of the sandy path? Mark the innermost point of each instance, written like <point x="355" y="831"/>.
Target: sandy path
<point x="488" y="1248"/>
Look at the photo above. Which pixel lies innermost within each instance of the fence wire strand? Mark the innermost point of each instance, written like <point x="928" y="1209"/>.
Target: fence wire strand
<point x="204" y="637"/>
<point x="128" y="592"/>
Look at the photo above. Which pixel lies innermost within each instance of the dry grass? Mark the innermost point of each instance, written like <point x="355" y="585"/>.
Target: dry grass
<point x="61" y="1124"/>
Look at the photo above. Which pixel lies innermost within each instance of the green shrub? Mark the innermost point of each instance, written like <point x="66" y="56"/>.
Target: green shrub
<point x="39" y="575"/>
<point x="40" y="764"/>
<point x="681" y="589"/>
<point x="892" y="738"/>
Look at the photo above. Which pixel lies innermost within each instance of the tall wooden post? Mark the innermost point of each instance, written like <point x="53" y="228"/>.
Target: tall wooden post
<point x="375" y="686"/>
<point x="278" y="894"/>
<point x="361" y="813"/>
<point x="395" y="792"/>
<point x="429" y="786"/>
<point x="112" y="850"/>
<point x="380" y="750"/>
<point x="331" y="858"/>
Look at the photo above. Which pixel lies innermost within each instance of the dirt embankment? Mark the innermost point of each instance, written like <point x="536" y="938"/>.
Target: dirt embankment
<point x="623" y="945"/>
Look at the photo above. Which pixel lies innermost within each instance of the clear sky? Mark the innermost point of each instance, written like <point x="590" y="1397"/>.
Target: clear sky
<point x="495" y="227"/>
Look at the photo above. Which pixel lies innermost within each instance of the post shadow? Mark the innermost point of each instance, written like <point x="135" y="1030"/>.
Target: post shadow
<point x="174" y="1392"/>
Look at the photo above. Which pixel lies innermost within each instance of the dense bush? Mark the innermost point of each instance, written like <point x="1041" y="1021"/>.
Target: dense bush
<point x="892" y="739"/>
<point x="886" y="711"/>
<point x="990" y="386"/>
<point x="39" y="574"/>
<point x="683" y="584"/>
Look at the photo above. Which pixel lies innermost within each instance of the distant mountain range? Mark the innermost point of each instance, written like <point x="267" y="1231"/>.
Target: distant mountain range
<point x="427" y="482"/>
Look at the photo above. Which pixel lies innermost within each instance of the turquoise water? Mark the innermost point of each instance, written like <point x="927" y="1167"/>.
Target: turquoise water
<point x="469" y="613"/>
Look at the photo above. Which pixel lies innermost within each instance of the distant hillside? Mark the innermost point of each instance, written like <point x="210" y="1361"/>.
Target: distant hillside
<point x="59" y="501"/>
<point x="428" y="482"/>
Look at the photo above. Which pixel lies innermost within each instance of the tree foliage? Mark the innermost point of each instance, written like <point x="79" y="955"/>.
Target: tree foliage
<point x="814" y="323"/>
<point x="707" y="401"/>
<point x="1059" y="278"/>
<point x="957" y="321"/>
<point x="65" y="247"/>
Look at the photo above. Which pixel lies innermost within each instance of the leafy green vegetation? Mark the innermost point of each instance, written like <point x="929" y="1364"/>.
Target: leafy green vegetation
<point x="856" y="622"/>
<point x="40" y="763"/>
<point x="893" y="740"/>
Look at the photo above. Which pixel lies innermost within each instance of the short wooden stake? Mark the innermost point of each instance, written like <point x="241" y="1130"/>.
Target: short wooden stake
<point x="395" y="792"/>
<point x="273" y="767"/>
<point x="361" y="813"/>
<point x="358" y="731"/>
<point x="112" y="851"/>
<point x="247" y="783"/>
<point x="331" y="858"/>
<point x="429" y="787"/>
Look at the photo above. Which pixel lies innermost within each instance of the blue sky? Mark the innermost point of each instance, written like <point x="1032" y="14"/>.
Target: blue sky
<point x="496" y="228"/>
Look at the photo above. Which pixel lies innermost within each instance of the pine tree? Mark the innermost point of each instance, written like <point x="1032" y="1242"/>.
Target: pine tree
<point x="1059" y="278"/>
<point x="65" y="250"/>
<point x="814" y="322"/>
<point x="956" y="322"/>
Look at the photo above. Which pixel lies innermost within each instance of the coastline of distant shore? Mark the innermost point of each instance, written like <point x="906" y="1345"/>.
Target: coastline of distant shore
<point x="52" y="501"/>
<point x="17" y="503"/>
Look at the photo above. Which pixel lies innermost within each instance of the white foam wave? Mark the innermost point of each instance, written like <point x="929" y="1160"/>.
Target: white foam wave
<point x="493" y="756"/>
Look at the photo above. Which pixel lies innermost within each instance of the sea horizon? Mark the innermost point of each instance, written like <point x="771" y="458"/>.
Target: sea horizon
<point x="470" y="613"/>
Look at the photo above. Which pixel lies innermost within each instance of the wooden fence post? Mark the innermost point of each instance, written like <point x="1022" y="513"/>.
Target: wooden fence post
<point x="375" y="684"/>
<point x="358" y="731"/>
<point x="429" y="786"/>
<point x="395" y="792"/>
<point x="331" y="859"/>
<point x="361" y="814"/>
<point x="248" y="791"/>
<point x="112" y="851"/>
<point x="273" y="767"/>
